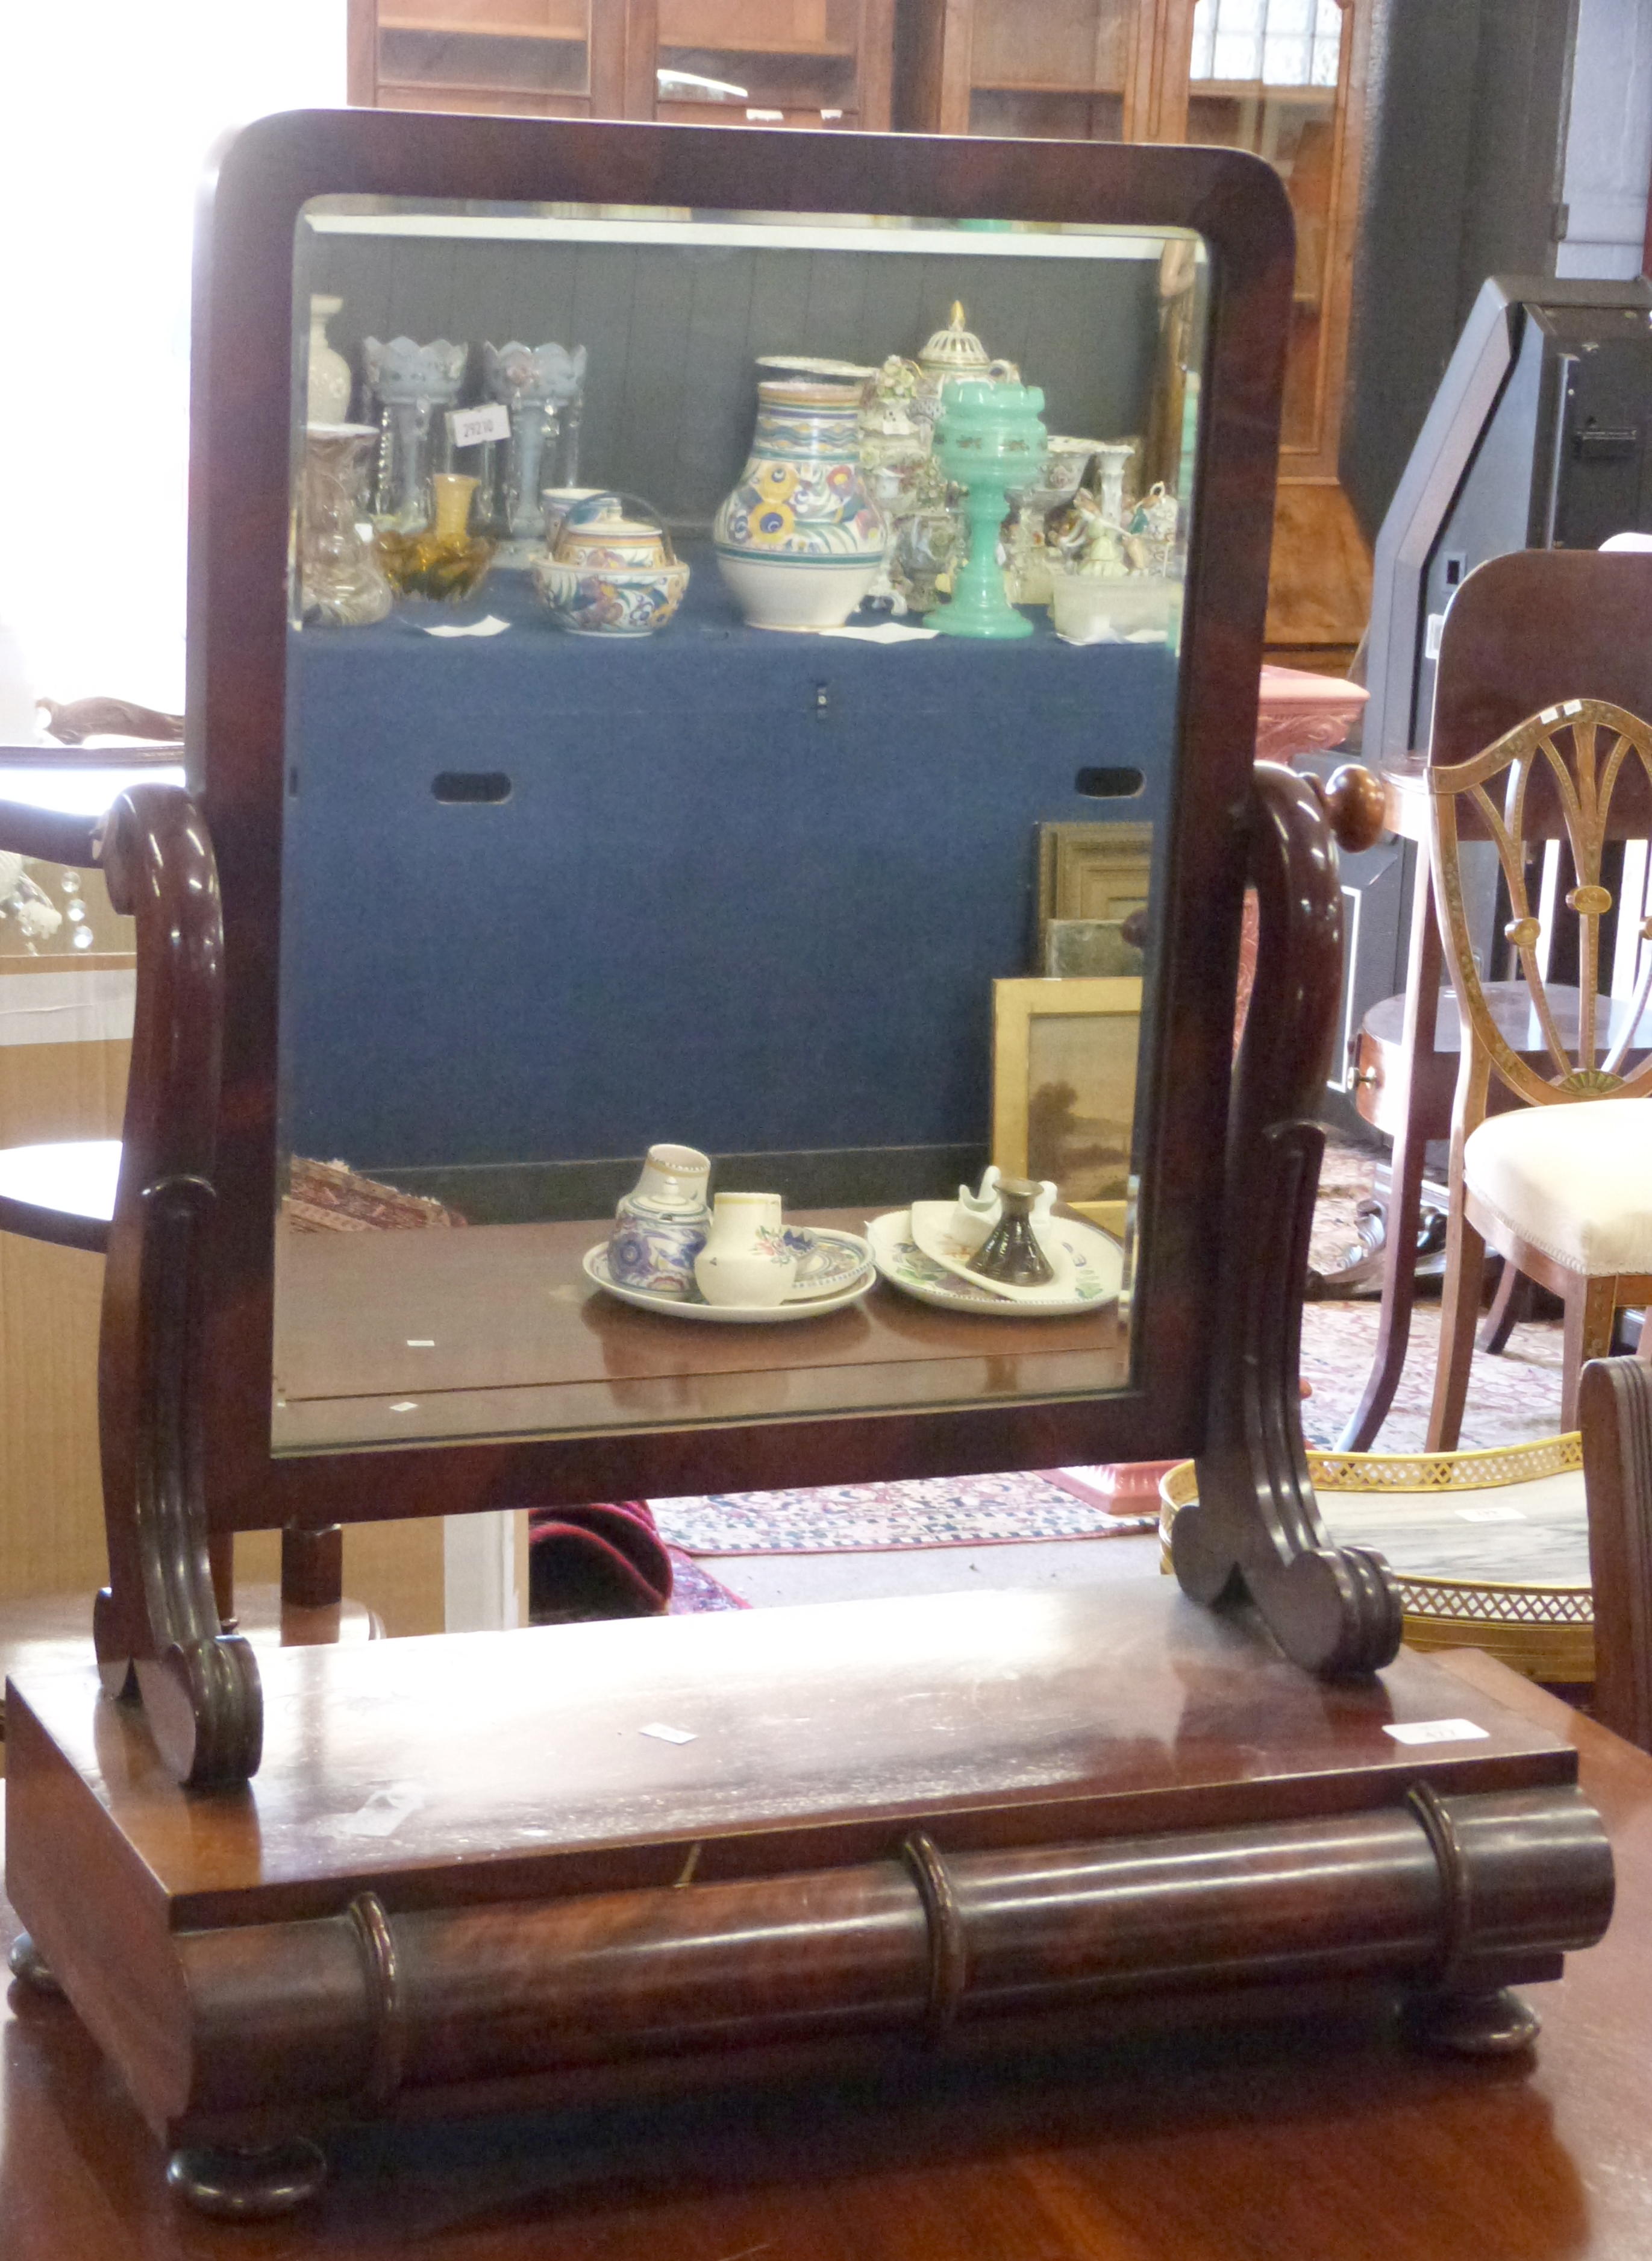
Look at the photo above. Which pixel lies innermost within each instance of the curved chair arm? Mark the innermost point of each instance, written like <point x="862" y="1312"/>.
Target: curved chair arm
<point x="51" y="833"/>
<point x="1614" y="1410"/>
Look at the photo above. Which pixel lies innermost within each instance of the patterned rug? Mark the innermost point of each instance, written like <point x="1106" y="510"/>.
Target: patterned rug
<point x="1512" y="1399"/>
<point x="877" y="1519"/>
<point x="695" y="1592"/>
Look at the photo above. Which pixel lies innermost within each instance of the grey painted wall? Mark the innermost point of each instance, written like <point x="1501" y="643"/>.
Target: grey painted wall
<point x="1608" y="141"/>
<point x="1464" y="141"/>
<point x="673" y="333"/>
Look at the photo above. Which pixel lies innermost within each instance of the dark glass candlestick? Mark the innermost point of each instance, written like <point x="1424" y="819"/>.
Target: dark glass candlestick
<point x="1011" y="1252"/>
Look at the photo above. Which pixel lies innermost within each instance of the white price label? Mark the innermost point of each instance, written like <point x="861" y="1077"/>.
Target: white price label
<point x="664" y="1734"/>
<point x="469" y="428"/>
<point x="1438" y="1731"/>
<point x="1491" y="1514"/>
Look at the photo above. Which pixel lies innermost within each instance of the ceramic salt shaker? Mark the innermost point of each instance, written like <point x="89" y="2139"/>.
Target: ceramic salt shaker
<point x="745" y="1258"/>
<point x="660" y="1227"/>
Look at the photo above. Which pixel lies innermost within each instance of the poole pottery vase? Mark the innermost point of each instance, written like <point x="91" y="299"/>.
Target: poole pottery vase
<point x="800" y="541"/>
<point x="340" y="581"/>
<point x="613" y="571"/>
<point x="444" y="559"/>
<point x="747" y="1258"/>
<point x="660" y="1227"/>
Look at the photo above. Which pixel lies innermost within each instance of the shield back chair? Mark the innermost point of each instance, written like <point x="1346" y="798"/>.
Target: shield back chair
<point x="1525" y="632"/>
<point x="1560" y="1185"/>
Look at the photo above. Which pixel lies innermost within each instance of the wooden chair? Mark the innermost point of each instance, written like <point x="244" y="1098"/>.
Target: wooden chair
<point x="1614" y="1405"/>
<point x="61" y="1190"/>
<point x="1561" y="1186"/>
<point x="1525" y="632"/>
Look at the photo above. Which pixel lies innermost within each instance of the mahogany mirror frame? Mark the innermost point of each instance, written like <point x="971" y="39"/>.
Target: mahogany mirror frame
<point x="241" y="375"/>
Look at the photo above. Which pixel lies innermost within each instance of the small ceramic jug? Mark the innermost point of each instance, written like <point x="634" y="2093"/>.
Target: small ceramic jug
<point x="660" y="1227"/>
<point x="745" y="1258"/>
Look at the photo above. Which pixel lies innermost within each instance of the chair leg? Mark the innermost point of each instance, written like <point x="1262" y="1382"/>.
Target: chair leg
<point x="311" y="1567"/>
<point x="1459" y="1316"/>
<point x="1591" y="1305"/>
<point x="1511" y="1304"/>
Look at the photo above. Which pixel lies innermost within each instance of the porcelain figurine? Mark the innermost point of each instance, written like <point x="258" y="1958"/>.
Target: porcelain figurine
<point x="659" y="1226"/>
<point x="328" y="382"/>
<point x="1153" y="523"/>
<point x="990" y="441"/>
<point x="412" y="386"/>
<point x="954" y="351"/>
<point x="800" y="541"/>
<point x="444" y="559"/>
<point x="538" y="385"/>
<point x="923" y="554"/>
<point x="341" y="581"/>
<point x="747" y="1258"/>
<point x="613" y="571"/>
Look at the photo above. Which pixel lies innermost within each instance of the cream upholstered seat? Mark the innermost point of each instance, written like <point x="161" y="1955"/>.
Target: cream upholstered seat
<point x="1573" y="1181"/>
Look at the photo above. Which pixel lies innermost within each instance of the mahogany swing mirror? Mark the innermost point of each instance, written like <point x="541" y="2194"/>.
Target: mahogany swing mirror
<point x="514" y="892"/>
<point x="519" y="886"/>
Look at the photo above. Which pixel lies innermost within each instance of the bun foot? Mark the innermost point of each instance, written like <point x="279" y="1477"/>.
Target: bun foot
<point x="1497" y="2024"/>
<point x="249" y="2186"/>
<point x="30" y="1968"/>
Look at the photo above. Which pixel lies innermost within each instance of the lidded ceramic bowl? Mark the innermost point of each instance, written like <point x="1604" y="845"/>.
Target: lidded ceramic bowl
<point x="613" y="570"/>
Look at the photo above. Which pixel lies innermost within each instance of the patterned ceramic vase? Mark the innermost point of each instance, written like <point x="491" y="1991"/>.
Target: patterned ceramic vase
<point x="660" y="1225"/>
<point x="800" y="541"/>
<point x="748" y="1258"/>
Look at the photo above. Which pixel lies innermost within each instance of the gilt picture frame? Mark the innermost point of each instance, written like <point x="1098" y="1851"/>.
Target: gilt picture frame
<point x="1064" y="1064"/>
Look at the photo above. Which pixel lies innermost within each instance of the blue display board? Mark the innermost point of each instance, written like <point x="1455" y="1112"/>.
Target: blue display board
<point x="747" y="890"/>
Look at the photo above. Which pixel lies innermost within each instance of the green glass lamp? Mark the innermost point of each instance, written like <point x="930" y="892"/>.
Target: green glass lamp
<point x="990" y="442"/>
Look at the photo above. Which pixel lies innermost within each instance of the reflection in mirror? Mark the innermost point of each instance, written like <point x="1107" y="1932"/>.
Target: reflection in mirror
<point x="730" y="724"/>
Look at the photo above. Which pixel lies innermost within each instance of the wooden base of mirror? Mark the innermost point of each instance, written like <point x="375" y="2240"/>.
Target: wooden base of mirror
<point x="498" y="1871"/>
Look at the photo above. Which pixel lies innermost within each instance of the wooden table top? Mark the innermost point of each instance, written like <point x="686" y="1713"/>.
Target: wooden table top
<point x="1332" y="2145"/>
<point x="494" y="1330"/>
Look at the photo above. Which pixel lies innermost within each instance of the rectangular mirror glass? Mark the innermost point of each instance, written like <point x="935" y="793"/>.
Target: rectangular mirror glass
<point x="731" y="717"/>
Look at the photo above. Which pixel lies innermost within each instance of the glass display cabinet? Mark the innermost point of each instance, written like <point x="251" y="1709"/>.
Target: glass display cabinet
<point x="761" y="63"/>
<point x="642" y="735"/>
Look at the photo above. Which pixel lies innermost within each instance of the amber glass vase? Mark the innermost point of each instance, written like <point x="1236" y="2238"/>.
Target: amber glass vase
<point x="444" y="560"/>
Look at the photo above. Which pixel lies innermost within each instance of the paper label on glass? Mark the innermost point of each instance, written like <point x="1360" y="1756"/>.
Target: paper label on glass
<point x="469" y="428"/>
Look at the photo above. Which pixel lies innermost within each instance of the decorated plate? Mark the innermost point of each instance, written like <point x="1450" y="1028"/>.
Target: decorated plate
<point x="1097" y="1262"/>
<point x="834" y="1269"/>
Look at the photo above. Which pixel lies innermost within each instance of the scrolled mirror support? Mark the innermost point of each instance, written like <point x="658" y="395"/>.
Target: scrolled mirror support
<point x="156" y="1625"/>
<point x="1257" y="1530"/>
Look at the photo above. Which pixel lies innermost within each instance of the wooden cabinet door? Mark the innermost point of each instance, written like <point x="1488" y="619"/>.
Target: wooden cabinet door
<point x="521" y="58"/>
<point x="809" y="63"/>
